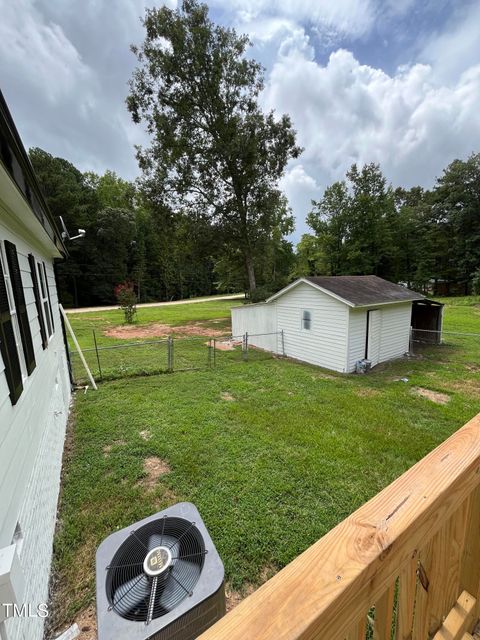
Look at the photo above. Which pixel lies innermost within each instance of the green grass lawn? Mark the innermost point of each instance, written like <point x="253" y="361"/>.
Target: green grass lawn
<point x="273" y="453"/>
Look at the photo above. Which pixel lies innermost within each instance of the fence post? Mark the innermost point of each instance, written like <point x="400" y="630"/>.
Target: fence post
<point x="283" y="344"/>
<point x="214" y="353"/>
<point x="209" y="353"/>
<point x="170" y="354"/>
<point x="245" y="345"/>
<point x="410" y="342"/>
<point x="98" y="355"/>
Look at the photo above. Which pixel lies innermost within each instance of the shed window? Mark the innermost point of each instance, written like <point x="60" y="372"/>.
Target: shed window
<point x="10" y="345"/>
<point x="307" y="320"/>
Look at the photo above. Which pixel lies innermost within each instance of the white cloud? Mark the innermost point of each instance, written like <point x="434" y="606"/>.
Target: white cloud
<point x="346" y="112"/>
<point x="352" y="17"/>
<point x="455" y="50"/>
<point x="300" y="189"/>
<point x="40" y="50"/>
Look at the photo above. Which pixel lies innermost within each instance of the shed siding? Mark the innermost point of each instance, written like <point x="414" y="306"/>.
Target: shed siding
<point x="31" y="443"/>
<point x="395" y="331"/>
<point x="256" y="319"/>
<point x="325" y="344"/>
<point x="356" y="337"/>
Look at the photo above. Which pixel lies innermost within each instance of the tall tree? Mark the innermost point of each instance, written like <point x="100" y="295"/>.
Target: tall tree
<point x="213" y="151"/>
<point x="330" y="220"/>
<point x="457" y="210"/>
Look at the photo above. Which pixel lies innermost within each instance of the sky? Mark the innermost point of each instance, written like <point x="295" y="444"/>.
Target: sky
<point x="390" y="81"/>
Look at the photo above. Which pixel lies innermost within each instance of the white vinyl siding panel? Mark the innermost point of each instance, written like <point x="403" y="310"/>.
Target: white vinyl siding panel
<point x="395" y="332"/>
<point x="356" y="337"/>
<point x="325" y="343"/>
<point x="257" y="320"/>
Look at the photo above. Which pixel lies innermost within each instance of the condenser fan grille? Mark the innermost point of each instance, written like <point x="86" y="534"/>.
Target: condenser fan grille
<point x="155" y="569"/>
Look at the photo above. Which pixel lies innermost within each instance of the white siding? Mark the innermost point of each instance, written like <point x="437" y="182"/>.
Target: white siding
<point x="256" y="319"/>
<point x="325" y="344"/>
<point x="31" y="442"/>
<point x="356" y="337"/>
<point x="394" y="332"/>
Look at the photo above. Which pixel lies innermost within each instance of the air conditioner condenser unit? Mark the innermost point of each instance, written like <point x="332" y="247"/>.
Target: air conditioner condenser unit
<point x="159" y="579"/>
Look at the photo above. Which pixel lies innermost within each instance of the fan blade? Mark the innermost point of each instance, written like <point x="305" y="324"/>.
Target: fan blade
<point x="155" y="540"/>
<point x="131" y="594"/>
<point x="168" y="597"/>
<point x="188" y="569"/>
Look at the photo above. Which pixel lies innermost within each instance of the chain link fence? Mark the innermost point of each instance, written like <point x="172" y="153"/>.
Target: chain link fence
<point x="447" y="347"/>
<point x="152" y="357"/>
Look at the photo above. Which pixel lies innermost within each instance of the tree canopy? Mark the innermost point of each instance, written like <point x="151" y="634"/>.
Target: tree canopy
<point x="213" y="154"/>
<point x="416" y="236"/>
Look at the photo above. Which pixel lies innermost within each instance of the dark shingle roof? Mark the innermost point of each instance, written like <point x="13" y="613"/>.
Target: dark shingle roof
<point x="365" y="290"/>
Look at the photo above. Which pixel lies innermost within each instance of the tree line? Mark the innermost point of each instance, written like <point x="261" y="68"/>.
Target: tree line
<point x="427" y="239"/>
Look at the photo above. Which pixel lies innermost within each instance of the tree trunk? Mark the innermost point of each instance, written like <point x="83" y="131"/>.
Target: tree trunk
<point x="252" y="285"/>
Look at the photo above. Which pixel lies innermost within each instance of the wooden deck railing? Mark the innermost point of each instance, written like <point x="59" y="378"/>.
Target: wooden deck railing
<point x="394" y="569"/>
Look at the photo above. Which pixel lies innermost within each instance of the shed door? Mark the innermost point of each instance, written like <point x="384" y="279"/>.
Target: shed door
<point x="374" y="320"/>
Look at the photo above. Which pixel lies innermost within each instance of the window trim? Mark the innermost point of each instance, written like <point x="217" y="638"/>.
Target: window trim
<point x="48" y="296"/>
<point x="44" y="299"/>
<point x="38" y="300"/>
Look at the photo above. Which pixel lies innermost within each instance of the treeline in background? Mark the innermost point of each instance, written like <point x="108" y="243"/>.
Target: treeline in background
<point x="427" y="239"/>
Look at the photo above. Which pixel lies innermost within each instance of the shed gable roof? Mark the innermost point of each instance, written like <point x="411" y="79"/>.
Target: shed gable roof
<point x="357" y="291"/>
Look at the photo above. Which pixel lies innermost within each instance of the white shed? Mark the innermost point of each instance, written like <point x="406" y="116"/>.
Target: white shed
<point x="35" y="389"/>
<point x="332" y="321"/>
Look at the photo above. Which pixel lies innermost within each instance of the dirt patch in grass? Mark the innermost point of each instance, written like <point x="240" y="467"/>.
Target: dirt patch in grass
<point x="227" y="396"/>
<point x="154" y="468"/>
<point x="146" y="435"/>
<point x="225" y="345"/>
<point x="233" y="598"/>
<point x="157" y="330"/>
<point x="434" y="396"/>
<point x="473" y="368"/>
<point x="324" y="376"/>
<point x="87" y="623"/>
<point x="107" y="449"/>
<point x="469" y="386"/>
<point x="367" y="392"/>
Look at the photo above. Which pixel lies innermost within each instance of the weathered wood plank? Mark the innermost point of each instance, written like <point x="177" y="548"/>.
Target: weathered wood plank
<point x="459" y="620"/>
<point x="326" y="589"/>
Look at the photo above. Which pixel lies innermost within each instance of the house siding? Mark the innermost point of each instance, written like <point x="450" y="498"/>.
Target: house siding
<point x="31" y="442"/>
<point x="325" y="344"/>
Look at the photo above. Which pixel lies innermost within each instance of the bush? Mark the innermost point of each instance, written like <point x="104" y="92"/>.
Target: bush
<point x="127" y="299"/>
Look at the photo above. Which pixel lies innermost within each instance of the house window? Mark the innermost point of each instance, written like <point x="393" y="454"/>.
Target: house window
<point x="38" y="299"/>
<point x="45" y="298"/>
<point x="18" y="307"/>
<point x="10" y="342"/>
<point x="306" y="320"/>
